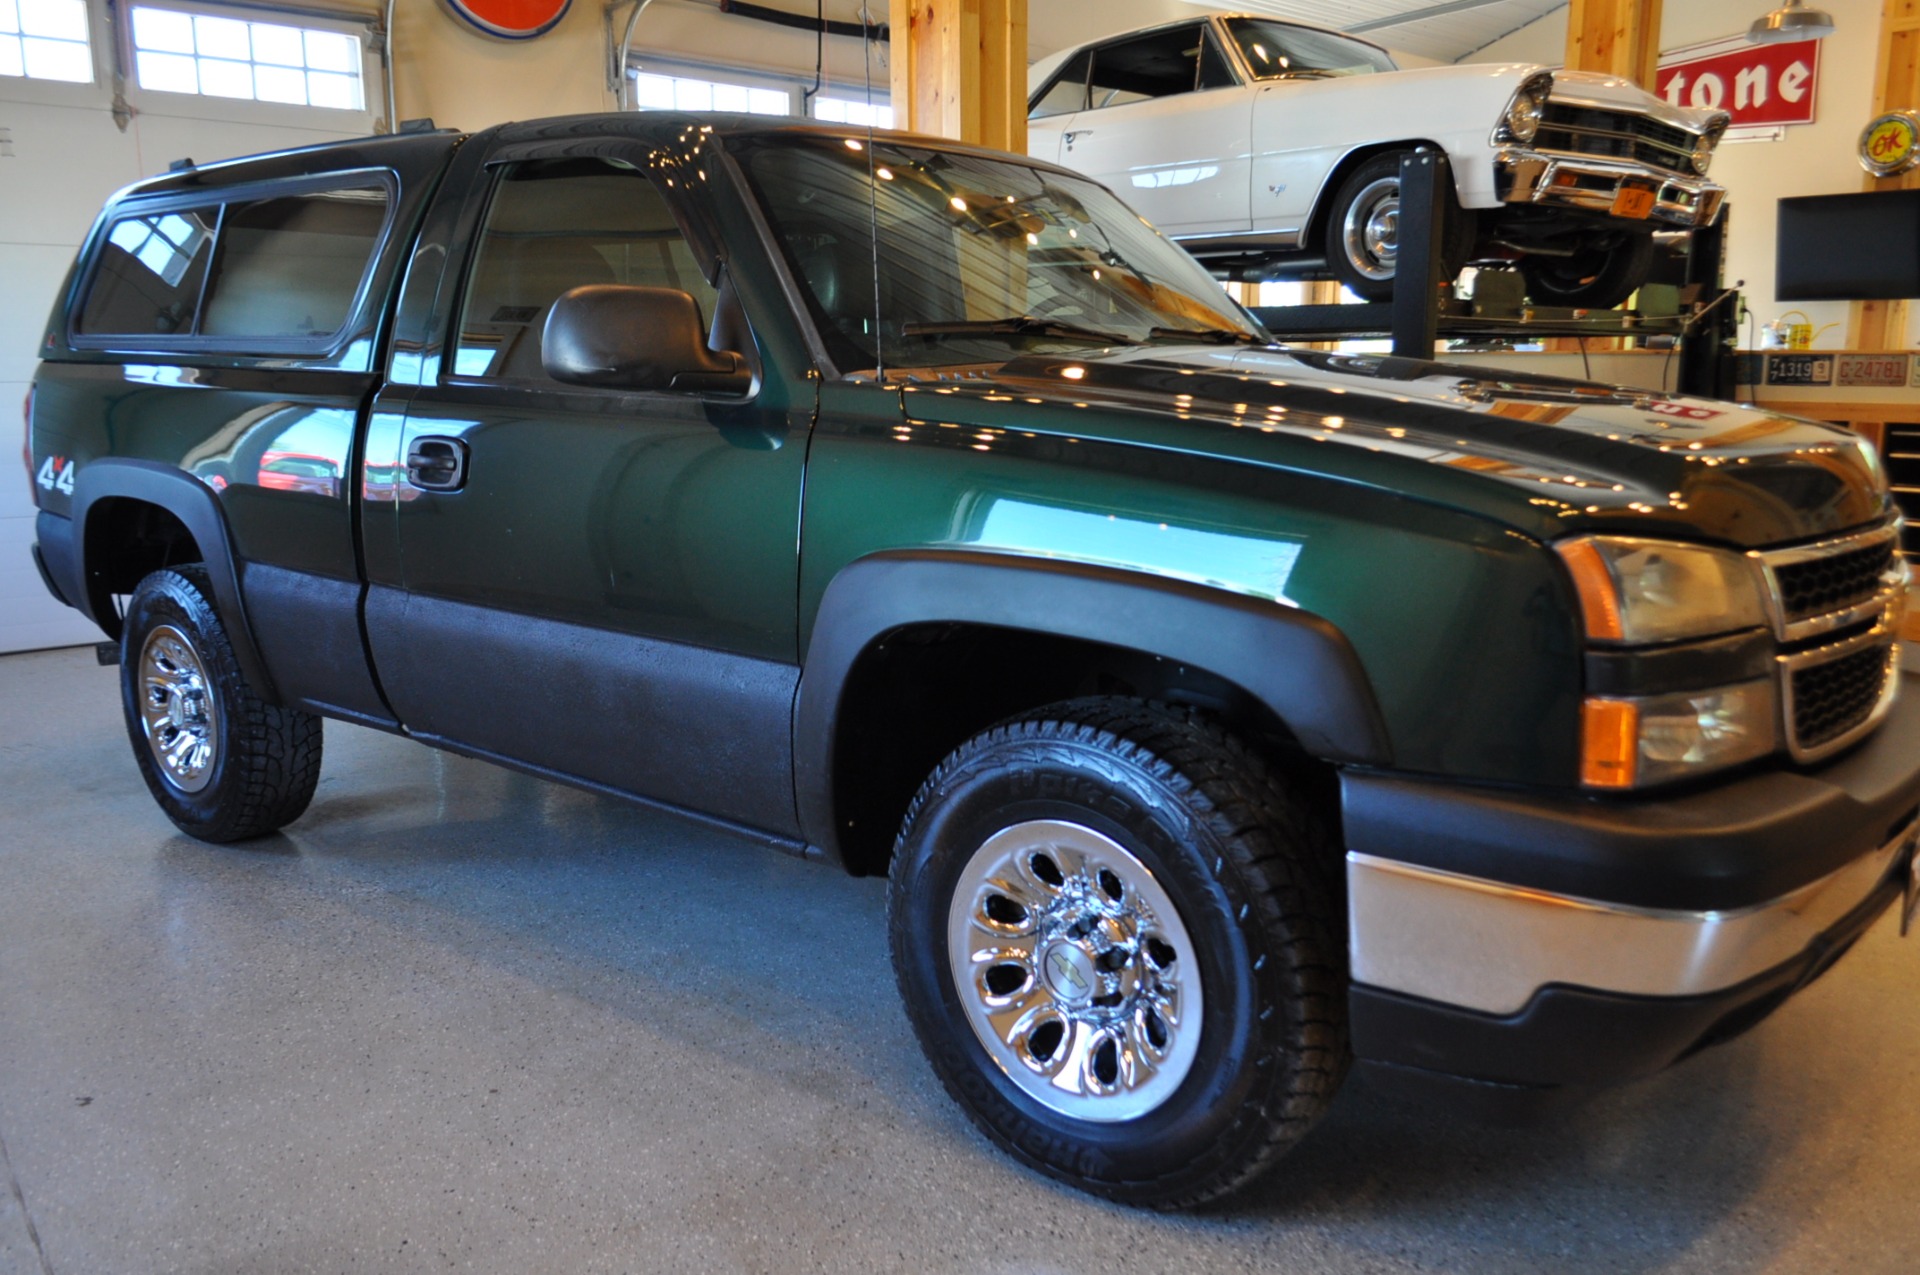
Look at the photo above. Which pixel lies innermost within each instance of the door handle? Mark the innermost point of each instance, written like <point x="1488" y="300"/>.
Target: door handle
<point x="437" y="464"/>
<point x="1069" y="136"/>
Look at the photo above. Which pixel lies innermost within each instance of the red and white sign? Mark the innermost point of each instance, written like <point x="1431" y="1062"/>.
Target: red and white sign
<point x="1760" y="85"/>
<point x="511" y="19"/>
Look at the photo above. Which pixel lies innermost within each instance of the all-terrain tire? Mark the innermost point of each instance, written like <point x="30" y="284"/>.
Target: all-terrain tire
<point x="224" y="764"/>
<point x="1120" y="803"/>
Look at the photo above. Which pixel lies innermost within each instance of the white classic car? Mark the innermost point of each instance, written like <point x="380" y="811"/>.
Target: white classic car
<point x="1272" y="149"/>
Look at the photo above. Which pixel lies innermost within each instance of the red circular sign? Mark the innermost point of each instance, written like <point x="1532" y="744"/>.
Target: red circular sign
<point x="512" y="19"/>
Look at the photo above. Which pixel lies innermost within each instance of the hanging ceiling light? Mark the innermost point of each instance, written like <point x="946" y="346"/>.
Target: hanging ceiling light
<point x="1790" y="22"/>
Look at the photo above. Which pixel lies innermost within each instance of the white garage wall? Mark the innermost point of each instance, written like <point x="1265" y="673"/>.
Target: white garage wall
<point x="1813" y="159"/>
<point x="61" y="157"/>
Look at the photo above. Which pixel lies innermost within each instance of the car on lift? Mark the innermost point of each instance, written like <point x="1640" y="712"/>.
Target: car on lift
<point x="1272" y="149"/>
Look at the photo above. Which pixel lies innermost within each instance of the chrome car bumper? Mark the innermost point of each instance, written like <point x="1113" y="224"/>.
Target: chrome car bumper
<point x="1484" y="946"/>
<point x="1550" y="180"/>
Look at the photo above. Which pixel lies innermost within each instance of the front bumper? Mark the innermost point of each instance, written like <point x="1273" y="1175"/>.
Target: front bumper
<point x="1547" y="179"/>
<point x="1534" y="941"/>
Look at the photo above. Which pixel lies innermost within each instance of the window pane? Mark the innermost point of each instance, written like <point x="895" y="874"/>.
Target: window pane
<point x="693" y="95"/>
<point x="556" y="226"/>
<point x="9" y="18"/>
<point x="58" y="60"/>
<point x="291" y="267"/>
<point x="280" y="84"/>
<point x="327" y="51"/>
<point x="10" y="59"/>
<point x="148" y="278"/>
<point x="653" y="92"/>
<point x="341" y="92"/>
<point x="730" y="97"/>
<point x="162" y="31"/>
<point x="221" y="38"/>
<point x="280" y="46"/>
<point x="167" y="72"/>
<point x="55" y="19"/>
<point x="226" y="79"/>
<point x="769" y="102"/>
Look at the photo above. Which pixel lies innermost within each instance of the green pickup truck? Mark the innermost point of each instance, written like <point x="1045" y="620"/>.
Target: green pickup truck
<point x="1221" y="713"/>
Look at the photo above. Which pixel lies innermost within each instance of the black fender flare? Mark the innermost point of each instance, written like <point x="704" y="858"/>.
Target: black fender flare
<point x="1296" y="663"/>
<point x="198" y="509"/>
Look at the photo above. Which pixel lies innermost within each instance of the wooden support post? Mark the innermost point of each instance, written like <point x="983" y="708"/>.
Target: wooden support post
<point x="1620" y="37"/>
<point x="960" y="69"/>
<point x="1882" y="325"/>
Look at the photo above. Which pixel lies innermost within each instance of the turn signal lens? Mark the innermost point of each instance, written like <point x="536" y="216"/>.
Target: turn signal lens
<point x="1610" y="743"/>
<point x="1599" y="601"/>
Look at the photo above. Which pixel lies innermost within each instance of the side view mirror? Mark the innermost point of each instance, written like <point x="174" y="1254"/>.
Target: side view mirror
<point x="630" y="338"/>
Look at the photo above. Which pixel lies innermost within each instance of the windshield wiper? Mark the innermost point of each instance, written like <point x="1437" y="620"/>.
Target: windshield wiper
<point x="1207" y="336"/>
<point x="1016" y="325"/>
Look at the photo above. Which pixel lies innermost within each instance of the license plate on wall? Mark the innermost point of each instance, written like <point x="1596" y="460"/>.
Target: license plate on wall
<point x="1634" y="203"/>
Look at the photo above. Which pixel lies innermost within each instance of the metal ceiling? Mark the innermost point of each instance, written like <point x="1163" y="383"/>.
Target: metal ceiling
<point x="1446" y="30"/>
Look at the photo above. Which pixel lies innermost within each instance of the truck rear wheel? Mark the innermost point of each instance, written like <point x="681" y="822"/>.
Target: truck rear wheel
<point x="224" y="764"/>
<point x="1115" y="935"/>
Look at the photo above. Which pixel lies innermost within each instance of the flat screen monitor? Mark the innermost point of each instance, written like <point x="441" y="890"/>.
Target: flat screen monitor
<point x="1849" y="247"/>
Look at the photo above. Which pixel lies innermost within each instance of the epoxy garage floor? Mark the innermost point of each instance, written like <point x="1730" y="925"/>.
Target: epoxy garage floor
<point x="460" y="1019"/>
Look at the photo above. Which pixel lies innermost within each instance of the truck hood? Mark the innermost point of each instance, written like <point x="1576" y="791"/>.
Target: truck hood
<point x="1545" y="455"/>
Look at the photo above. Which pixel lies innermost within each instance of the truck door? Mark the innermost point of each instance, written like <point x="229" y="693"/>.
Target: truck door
<point x="599" y="584"/>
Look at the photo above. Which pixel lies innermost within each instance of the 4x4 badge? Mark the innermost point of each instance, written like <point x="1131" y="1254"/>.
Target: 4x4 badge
<point x="56" y="474"/>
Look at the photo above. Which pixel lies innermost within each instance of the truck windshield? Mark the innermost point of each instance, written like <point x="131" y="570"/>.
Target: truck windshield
<point x="1276" y="50"/>
<point x="978" y="258"/>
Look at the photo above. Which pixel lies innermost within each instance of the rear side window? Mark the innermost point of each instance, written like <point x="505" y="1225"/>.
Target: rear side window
<point x="281" y="269"/>
<point x="291" y="267"/>
<point x="150" y="272"/>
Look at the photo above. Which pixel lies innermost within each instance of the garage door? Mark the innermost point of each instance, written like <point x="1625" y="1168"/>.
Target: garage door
<point x="203" y="82"/>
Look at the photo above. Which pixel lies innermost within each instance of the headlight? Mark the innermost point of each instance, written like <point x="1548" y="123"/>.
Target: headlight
<point x="1638" y="592"/>
<point x="1703" y="154"/>
<point x="1632" y="743"/>
<point x="1521" y="123"/>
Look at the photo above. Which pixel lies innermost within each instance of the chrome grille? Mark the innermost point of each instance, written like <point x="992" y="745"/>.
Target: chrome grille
<point x="1830" y="700"/>
<point x="1592" y="130"/>
<point x="1837" y="607"/>
<point x="1817" y="586"/>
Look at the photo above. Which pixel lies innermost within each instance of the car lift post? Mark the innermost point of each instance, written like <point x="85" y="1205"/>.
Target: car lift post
<point x="1425" y="178"/>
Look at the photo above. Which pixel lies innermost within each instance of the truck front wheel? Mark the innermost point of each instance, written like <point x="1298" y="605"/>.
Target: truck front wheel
<point x="1115" y="933"/>
<point x="224" y="764"/>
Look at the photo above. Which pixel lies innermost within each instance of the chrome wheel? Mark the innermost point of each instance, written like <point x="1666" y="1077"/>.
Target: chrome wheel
<point x="1371" y="229"/>
<point x="178" y="713"/>
<point x="1074" y="970"/>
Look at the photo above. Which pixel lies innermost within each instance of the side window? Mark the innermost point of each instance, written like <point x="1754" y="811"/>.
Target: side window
<point x="291" y="266"/>
<point x="1157" y="65"/>
<point x="1214" y="71"/>
<point x="147" y="280"/>
<point x="555" y="225"/>
<point x="1067" y="93"/>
